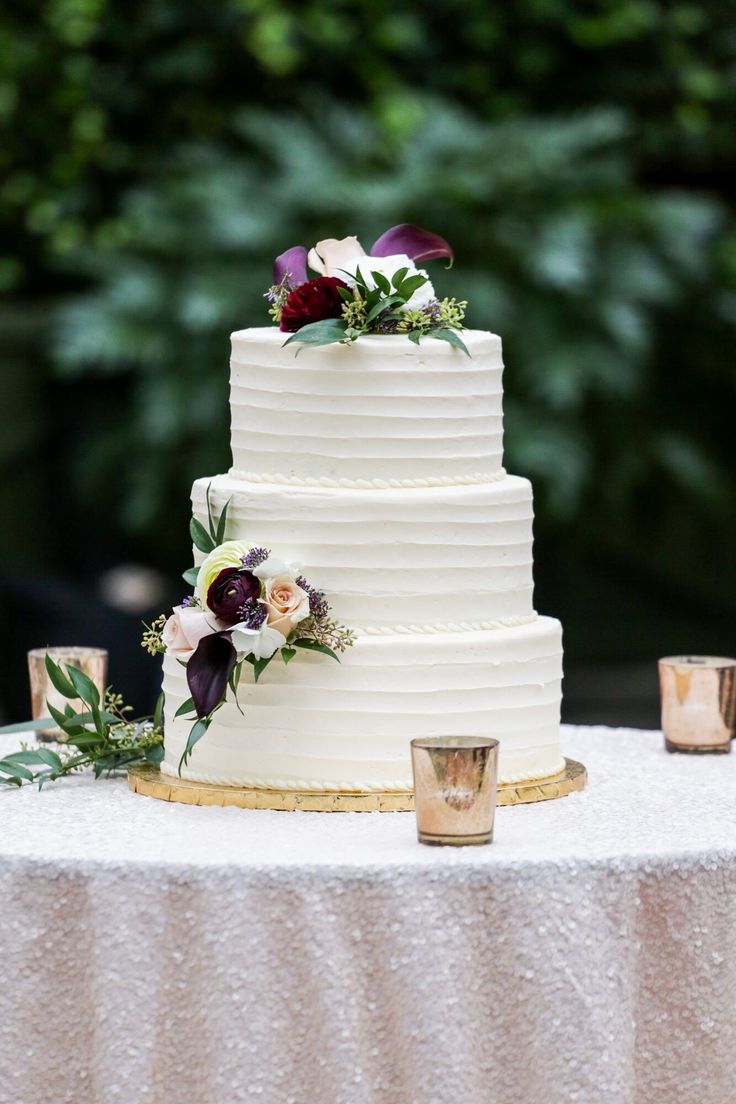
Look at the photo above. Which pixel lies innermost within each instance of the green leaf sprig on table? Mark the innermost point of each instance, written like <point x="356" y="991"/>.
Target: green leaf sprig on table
<point x="101" y="737"/>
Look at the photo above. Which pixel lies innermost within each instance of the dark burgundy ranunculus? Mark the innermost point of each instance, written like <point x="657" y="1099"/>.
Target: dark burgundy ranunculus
<point x="312" y="302"/>
<point x="230" y="590"/>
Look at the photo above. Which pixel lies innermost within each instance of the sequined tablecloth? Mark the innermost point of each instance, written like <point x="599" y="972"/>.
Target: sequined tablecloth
<point x="178" y="955"/>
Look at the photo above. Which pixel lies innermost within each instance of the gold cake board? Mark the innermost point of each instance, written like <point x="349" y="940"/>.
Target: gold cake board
<point x="148" y="780"/>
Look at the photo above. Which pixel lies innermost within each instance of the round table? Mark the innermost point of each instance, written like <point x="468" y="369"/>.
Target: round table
<point x="169" y="953"/>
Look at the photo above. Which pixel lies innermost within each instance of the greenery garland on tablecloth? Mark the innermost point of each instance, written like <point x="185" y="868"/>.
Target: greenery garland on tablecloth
<point x="103" y="736"/>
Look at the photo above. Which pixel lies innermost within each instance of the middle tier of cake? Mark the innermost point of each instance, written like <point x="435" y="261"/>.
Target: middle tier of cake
<point x="421" y="560"/>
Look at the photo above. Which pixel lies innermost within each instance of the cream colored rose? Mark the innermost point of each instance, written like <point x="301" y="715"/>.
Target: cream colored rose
<point x="225" y="555"/>
<point x="286" y="602"/>
<point x="331" y="256"/>
<point x="186" y="627"/>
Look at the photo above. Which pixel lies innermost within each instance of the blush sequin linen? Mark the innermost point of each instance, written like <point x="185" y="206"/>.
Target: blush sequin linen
<point x="155" y="953"/>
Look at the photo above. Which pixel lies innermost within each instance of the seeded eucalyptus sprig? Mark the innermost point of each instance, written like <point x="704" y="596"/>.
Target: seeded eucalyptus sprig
<point x="382" y="309"/>
<point x="102" y="736"/>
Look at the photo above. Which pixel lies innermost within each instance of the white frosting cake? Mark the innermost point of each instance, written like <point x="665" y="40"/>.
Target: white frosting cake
<point x="377" y="467"/>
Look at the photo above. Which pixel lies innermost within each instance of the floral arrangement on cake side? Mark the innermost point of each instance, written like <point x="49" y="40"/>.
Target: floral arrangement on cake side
<point x="249" y="606"/>
<point x="355" y="293"/>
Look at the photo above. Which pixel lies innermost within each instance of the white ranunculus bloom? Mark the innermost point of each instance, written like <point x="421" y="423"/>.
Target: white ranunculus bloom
<point x="261" y="643"/>
<point x="388" y="267"/>
<point x="274" y="566"/>
<point x="331" y="256"/>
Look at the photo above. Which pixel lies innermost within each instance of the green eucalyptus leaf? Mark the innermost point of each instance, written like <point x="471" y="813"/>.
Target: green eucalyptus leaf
<point x="155" y="754"/>
<point x="287" y="654"/>
<point x="84" y="686"/>
<point x="451" y="337"/>
<point x="158" y="712"/>
<point x="190" y="576"/>
<point x="410" y="285"/>
<point x="414" y="335"/>
<point x="200" y="537"/>
<point x="381" y="306"/>
<point x="381" y="282"/>
<point x="198" y="730"/>
<point x="15" y="770"/>
<point x="81" y="719"/>
<point x="325" y="332"/>
<point x="82" y="738"/>
<point x="58" y="679"/>
<point x="315" y="646"/>
<point x="36" y="757"/>
<point x="61" y="720"/>
<point x="220" y="531"/>
<point x="50" y="758"/>
<point x="99" y="724"/>
<point x="185" y="707"/>
<point x="114" y="760"/>
<point x="234" y="682"/>
<point x="23" y="758"/>
<point x="210" y="518"/>
<point x="260" y="665"/>
<point x="374" y="296"/>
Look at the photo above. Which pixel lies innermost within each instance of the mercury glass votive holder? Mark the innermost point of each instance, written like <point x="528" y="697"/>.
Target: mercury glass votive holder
<point x="92" y="661"/>
<point x="455" y="782"/>
<point x="698" y="697"/>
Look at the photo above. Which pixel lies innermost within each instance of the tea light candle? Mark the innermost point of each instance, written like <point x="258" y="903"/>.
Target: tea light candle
<point x="455" y="789"/>
<point x="698" y="698"/>
<point x="92" y="661"/>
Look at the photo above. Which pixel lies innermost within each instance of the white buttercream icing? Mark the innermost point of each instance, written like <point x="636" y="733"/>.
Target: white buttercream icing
<point x="348" y="726"/>
<point x="382" y="408"/>
<point x="395" y="557"/>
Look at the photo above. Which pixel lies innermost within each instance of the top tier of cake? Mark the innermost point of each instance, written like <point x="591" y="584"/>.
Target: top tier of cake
<point x="384" y="411"/>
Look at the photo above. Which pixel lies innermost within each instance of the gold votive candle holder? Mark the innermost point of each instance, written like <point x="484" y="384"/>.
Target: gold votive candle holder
<point x="92" y="661"/>
<point x="698" y="698"/>
<point x="455" y="783"/>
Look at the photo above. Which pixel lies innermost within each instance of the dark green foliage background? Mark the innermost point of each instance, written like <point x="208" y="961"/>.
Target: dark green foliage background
<point x="579" y="156"/>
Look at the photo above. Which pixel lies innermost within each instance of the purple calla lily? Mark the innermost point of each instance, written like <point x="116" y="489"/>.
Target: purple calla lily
<point x="420" y="245"/>
<point x="293" y="261"/>
<point x="209" y="669"/>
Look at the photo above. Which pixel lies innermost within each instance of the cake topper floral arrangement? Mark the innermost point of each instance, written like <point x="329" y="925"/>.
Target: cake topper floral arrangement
<point x="356" y="293"/>
<point x="248" y="607"/>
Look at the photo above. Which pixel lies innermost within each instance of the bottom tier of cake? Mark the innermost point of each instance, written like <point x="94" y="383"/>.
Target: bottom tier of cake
<point x="319" y="726"/>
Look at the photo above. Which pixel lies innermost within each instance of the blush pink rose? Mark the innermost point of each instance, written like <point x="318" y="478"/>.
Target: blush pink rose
<point x="186" y="627"/>
<point x="286" y="602"/>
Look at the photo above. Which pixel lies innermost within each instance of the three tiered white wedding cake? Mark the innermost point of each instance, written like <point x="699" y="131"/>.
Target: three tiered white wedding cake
<point x="376" y="466"/>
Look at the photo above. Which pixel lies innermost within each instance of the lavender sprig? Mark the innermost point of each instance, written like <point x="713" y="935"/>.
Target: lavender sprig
<point x="253" y="613"/>
<point x="255" y="558"/>
<point x="319" y="607"/>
